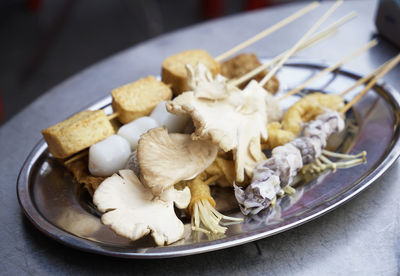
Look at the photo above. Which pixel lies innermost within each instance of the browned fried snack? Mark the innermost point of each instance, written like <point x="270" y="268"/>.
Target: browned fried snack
<point x="241" y="64"/>
<point x="77" y="133"/>
<point x="79" y="169"/>
<point x="139" y="98"/>
<point x="305" y="110"/>
<point x="277" y="136"/>
<point x="223" y="171"/>
<point x="308" y="108"/>
<point x="174" y="68"/>
<point x="205" y="217"/>
<point x="199" y="190"/>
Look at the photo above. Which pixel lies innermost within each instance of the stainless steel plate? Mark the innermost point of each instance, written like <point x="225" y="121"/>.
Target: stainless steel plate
<point x="58" y="206"/>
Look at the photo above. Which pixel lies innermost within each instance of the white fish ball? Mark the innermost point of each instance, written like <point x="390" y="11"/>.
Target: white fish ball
<point x="133" y="130"/>
<point x="109" y="156"/>
<point x="174" y="123"/>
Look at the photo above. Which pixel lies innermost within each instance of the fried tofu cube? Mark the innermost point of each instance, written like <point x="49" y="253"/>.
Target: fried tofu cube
<point x="242" y="64"/>
<point x="174" y="71"/>
<point x="77" y="133"/>
<point x="139" y="98"/>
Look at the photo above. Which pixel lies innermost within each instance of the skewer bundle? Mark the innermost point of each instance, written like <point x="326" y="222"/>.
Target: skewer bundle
<point x="127" y="110"/>
<point x="327" y="32"/>
<point x="205" y="217"/>
<point x="273" y="177"/>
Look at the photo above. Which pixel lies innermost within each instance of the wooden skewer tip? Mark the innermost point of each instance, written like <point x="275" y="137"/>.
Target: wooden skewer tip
<point x="268" y="31"/>
<point x="382" y="73"/>
<point x="302" y="39"/>
<point x="327" y="70"/>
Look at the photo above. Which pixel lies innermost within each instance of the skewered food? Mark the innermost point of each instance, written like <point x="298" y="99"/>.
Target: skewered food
<point x="234" y="120"/>
<point x="173" y="122"/>
<point x="77" y="133"/>
<point x="174" y="72"/>
<point x="241" y="64"/>
<point x="277" y="173"/>
<point x="139" y="98"/>
<point x="133" y="130"/>
<point x="132" y="211"/>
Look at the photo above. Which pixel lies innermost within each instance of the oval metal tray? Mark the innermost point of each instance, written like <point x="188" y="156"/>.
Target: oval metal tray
<point x="61" y="209"/>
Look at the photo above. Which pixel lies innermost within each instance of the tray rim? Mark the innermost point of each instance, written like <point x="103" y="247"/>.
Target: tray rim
<point x="28" y="206"/>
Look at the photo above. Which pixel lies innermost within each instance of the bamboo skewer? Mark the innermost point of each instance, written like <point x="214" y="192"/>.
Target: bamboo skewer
<point x="301" y="41"/>
<point x="384" y="71"/>
<point x="327" y="32"/>
<point x="259" y="69"/>
<point x="324" y="163"/>
<point x="239" y="47"/>
<point x="112" y="116"/>
<point x="365" y="79"/>
<point x="267" y="31"/>
<point x="302" y="44"/>
<point x="330" y="31"/>
<point x="327" y="70"/>
<point x="76" y="157"/>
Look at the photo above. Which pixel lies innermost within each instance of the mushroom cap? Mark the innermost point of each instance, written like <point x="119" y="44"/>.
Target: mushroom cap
<point x="132" y="211"/>
<point x="166" y="159"/>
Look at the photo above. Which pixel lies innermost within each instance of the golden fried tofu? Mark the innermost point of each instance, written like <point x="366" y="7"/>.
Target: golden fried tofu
<point x="77" y="133"/>
<point x="174" y="71"/>
<point x="139" y="98"/>
<point x="242" y="64"/>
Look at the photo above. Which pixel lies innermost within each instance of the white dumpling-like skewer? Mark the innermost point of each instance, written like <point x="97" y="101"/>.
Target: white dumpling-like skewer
<point x="109" y="156"/>
<point x="133" y="130"/>
<point x="174" y="123"/>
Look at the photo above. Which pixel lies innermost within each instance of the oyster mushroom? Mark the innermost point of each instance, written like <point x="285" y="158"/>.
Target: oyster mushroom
<point x="166" y="159"/>
<point x="233" y="119"/>
<point x="132" y="211"/>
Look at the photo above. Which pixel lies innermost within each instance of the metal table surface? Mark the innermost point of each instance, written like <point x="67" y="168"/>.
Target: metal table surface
<point x="360" y="237"/>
